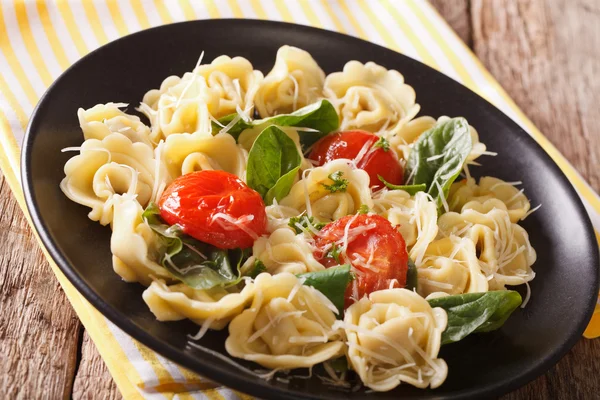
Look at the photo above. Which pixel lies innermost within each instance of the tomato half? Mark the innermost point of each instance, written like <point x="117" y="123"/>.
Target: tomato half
<point x="376" y="251"/>
<point x="348" y="144"/>
<point x="215" y="207"/>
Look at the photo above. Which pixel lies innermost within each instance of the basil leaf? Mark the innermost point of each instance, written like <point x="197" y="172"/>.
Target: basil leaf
<point x="411" y="275"/>
<point x="437" y="157"/>
<point x="320" y="117"/>
<point x="273" y="164"/>
<point x="410" y="189"/>
<point x="235" y="130"/>
<point x="197" y="264"/>
<point x="476" y="312"/>
<point x="332" y="282"/>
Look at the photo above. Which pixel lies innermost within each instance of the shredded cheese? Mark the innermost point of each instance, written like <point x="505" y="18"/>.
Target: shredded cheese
<point x="239" y="223"/>
<point x="203" y="329"/>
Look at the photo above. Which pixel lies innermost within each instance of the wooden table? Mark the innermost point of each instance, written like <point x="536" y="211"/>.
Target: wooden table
<point x="546" y="55"/>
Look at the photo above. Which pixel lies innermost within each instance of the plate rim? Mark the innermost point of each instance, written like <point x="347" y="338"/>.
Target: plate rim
<point x="260" y="387"/>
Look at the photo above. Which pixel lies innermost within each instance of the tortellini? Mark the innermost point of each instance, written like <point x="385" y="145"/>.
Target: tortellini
<point x="288" y="325"/>
<point x="313" y="194"/>
<point x="103" y="119"/>
<point x="285" y="251"/>
<point x="394" y="336"/>
<point x="134" y="245"/>
<point x="214" y="307"/>
<point x="113" y="165"/>
<point x="490" y="193"/>
<point x="370" y="97"/>
<point x="505" y="253"/>
<point x="295" y="81"/>
<point x="450" y="265"/>
<point x="200" y="151"/>
<point x="279" y="216"/>
<point x="415" y="218"/>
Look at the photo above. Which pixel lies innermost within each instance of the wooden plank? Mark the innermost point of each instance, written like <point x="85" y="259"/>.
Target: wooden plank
<point x="544" y="53"/>
<point x="457" y="14"/>
<point x="38" y="327"/>
<point x="93" y="381"/>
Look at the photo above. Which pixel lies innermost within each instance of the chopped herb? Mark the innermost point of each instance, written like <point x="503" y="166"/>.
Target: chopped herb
<point x="382" y="143"/>
<point x="363" y="209"/>
<point x="339" y="184"/>
<point x="257" y="269"/>
<point x="334" y="252"/>
<point x="305" y="221"/>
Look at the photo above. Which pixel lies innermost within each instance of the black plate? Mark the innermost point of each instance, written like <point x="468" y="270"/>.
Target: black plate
<point x="533" y="339"/>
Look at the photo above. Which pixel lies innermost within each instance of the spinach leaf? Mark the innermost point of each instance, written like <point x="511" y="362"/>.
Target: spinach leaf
<point x="197" y="264"/>
<point x="273" y="164"/>
<point x="410" y="189"/>
<point x="411" y="275"/>
<point x="332" y="282"/>
<point x="476" y="312"/>
<point x="320" y="117"/>
<point x="437" y="157"/>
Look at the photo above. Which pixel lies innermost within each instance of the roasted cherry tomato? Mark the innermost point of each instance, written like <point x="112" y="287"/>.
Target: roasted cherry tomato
<point x="215" y="207"/>
<point x="376" y="161"/>
<point x="375" y="249"/>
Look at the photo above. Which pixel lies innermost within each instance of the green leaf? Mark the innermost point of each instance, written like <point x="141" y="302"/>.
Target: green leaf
<point x="411" y="275"/>
<point x="410" y="189"/>
<point x="235" y="130"/>
<point x="304" y="221"/>
<point x="332" y="282"/>
<point x="476" y="312"/>
<point x="334" y="252"/>
<point x="320" y="118"/>
<point x="382" y="143"/>
<point x="273" y="164"/>
<point x="257" y="269"/>
<point x="363" y="209"/>
<point x="197" y="264"/>
<point x="437" y="157"/>
<point x="339" y="184"/>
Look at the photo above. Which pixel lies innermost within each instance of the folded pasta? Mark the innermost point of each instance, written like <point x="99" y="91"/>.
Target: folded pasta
<point x="394" y="336"/>
<point x="288" y="325"/>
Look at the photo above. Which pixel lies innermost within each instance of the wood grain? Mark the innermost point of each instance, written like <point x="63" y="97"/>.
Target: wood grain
<point x="544" y="53"/>
<point x="38" y="327"/>
<point x="93" y="381"/>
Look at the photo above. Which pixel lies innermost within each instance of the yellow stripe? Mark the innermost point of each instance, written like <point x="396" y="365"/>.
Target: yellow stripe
<point x="213" y="11"/>
<point x="310" y="14"/>
<point x="13" y="103"/>
<point x="115" y="13"/>
<point x="336" y="21"/>
<point x="57" y="48"/>
<point x="213" y="394"/>
<point x="258" y="9"/>
<point x="164" y="14"/>
<point x="235" y="9"/>
<point x="140" y="13"/>
<point x="188" y="11"/>
<point x="244" y="396"/>
<point x="30" y="45"/>
<point x="11" y="161"/>
<point x="283" y="11"/>
<point x="69" y="20"/>
<point x="164" y="377"/>
<point x="94" y="21"/>
<point x="466" y="78"/>
<point x="14" y="64"/>
<point x="425" y="54"/>
<point x="357" y="28"/>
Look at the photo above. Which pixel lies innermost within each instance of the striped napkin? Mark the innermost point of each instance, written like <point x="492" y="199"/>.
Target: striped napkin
<point x="40" y="39"/>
